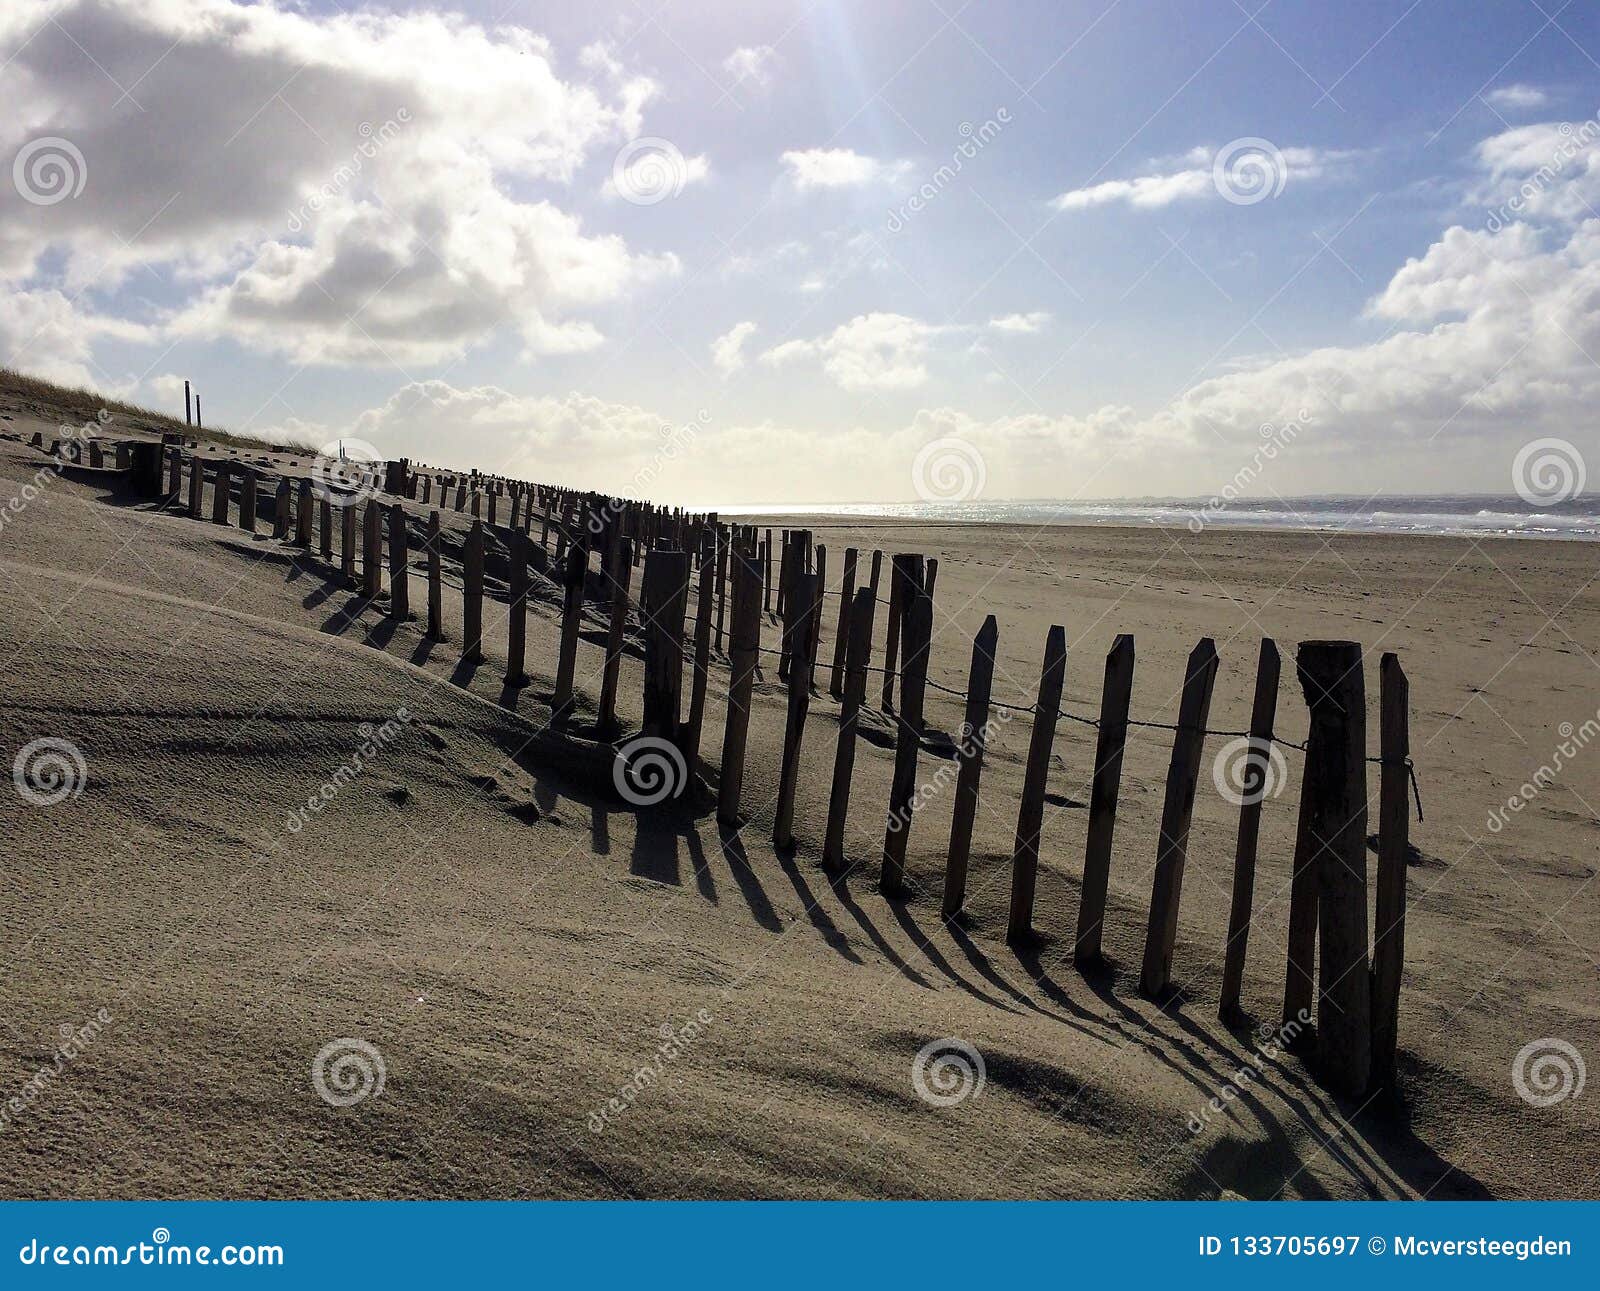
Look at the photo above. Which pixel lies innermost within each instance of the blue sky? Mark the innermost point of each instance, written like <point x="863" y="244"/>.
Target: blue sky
<point x="1000" y="229"/>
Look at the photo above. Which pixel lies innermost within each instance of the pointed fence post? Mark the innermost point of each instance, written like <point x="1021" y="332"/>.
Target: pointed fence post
<point x="802" y="602"/>
<point x="1030" y="813"/>
<point x="974" y="741"/>
<point x="722" y="583"/>
<point x="918" y="636"/>
<point x="702" y="660"/>
<point x="891" y="641"/>
<point x="1177" y="814"/>
<point x="766" y="565"/>
<point x="1256" y="783"/>
<point x="472" y="596"/>
<point x="847" y="595"/>
<point x="1336" y="780"/>
<point x="621" y="576"/>
<point x="1299" y="982"/>
<point x="1105" y="788"/>
<point x="665" y="595"/>
<point x="744" y="649"/>
<point x="1394" y="824"/>
<point x="435" y="581"/>
<point x="844" y="756"/>
<point x="399" y="557"/>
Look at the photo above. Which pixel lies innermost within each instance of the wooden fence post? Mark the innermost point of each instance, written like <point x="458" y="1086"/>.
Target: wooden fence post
<point x="347" y="542"/>
<point x="665" y="595"/>
<point x="1256" y="784"/>
<point x="621" y="576"/>
<point x="280" y="510"/>
<point x="1105" y="787"/>
<point x="517" y="620"/>
<point x="219" y="495"/>
<point x="844" y="756"/>
<point x="399" y="558"/>
<point x="722" y="536"/>
<point x="847" y="595"/>
<point x="702" y="659"/>
<point x="801" y="602"/>
<point x="891" y="639"/>
<point x="197" y="484"/>
<point x="372" y="548"/>
<point x="974" y="741"/>
<point x="326" y="511"/>
<point x="1030" y="814"/>
<point x="766" y="566"/>
<point x="1299" y="982"/>
<point x="1336" y="780"/>
<point x="247" y="499"/>
<point x="174" y="475"/>
<point x="435" y="581"/>
<point x="744" y="648"/>
<point x="814" y="644"/>
<point x="1177" y="813"/>
<point x="1394" y="824"/>
<point x="472" y="596"/>
<point x="576" y="570"/>
<point x="918" y="636"/>
<point x="302" y="514"/>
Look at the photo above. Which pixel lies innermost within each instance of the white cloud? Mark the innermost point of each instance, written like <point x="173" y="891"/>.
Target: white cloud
<point x="840" y="168"/>
<point x="1020" y="324"/>
<point x="751" y="63"/>
<point x="870" y="352"/>
<point x="335" y="187"/>
<point x="1193" y="177"/>
<point x="1517" y="97"/>
<point x="42" y="332"/>
<point x="727" y="351"/>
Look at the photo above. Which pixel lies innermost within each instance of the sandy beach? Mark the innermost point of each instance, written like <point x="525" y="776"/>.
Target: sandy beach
<point x="517" y="946"/>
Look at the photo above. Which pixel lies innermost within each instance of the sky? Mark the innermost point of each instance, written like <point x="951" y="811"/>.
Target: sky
<point x="739" y="251"/>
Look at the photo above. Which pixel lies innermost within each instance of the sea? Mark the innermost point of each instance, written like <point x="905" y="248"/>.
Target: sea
<point x="1460" y="514"/>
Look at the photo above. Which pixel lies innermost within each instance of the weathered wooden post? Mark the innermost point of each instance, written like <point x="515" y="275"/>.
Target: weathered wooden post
<point x="219" y="494"/>
<point x="844" y="756"/>
<point x="472" y="596"/>
<point x="575" y="571"/>
<point x="461" y="494"/>
<point x="702" y="660"/>
<point x="399" y="556"/>
<point x="1104" y="790"/>
<point x="174" y="475"/>
<point x="347" y="541"/>
<point x="918" y="635"/>
<point x="435" y="581"/>
<point x="280" y="510"/>
<point x="1336" y="782"/>
<point x="188" y="415"/>
<point x="969" y="757"/>
<point x="744" y="646"/>
<point x="723" y="538"/>
<point x="197" y="484"/>
<point x="517" y="622"/>
<point x="1254" y="788"/>
<point x="621" y="577"/>
<point x="766" y="565"/>
<point x="372" y="549"/>
<point x="247" y="499"/>
<point x="1394" y="824"/>
<point x="302" y="514"/>
<point x="326" y="511"/>
<point x="891" y="638"/>
<point x="665" y="595"/>
<point x="1030" y="812"/>
<point x="427" y="489"/>
<point x="847" y="595"/>
<point x="1177" y="813"/>
<point x="801" y="601"/>
<point x="1299" y="981"/>
<point x="814" y="645"/>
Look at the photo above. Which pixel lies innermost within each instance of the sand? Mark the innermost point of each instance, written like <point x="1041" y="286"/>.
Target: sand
<point x="511" y="940"/>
